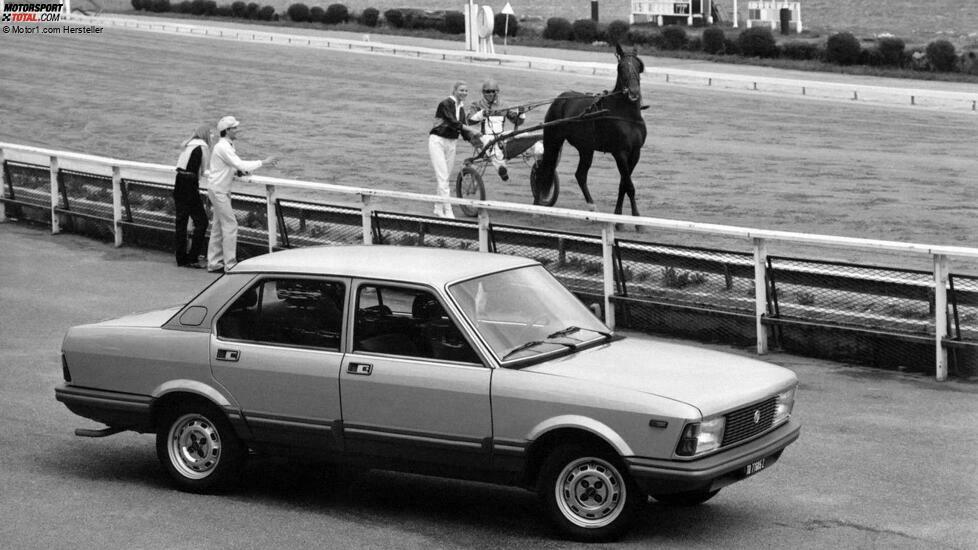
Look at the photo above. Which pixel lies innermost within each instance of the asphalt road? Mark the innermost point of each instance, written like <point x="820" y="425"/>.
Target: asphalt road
<point x="885" y="460"/>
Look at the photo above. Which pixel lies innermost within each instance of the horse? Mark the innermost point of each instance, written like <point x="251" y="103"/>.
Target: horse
<point x="610" y="122"/>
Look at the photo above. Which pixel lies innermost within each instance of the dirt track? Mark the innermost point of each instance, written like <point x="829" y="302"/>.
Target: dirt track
<point x="841" y="168"/>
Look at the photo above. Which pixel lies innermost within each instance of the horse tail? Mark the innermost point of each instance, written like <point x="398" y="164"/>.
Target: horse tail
<point x="553" y="142"/>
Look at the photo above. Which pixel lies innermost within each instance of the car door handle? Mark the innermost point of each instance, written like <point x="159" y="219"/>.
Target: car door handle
<point x="363" y="369"/>
<point x="227" y="355"/>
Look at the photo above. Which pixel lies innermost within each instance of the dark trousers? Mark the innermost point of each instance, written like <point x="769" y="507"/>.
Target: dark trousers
<point x="186" y="198"/>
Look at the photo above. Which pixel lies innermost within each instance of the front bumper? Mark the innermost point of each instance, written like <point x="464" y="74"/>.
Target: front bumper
<point x="712" y="472"/>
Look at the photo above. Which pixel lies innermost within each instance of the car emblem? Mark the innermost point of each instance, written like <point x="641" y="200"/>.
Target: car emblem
<point x="757" y="416"/>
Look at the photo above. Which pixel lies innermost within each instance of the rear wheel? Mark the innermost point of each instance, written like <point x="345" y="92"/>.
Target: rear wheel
<point x="543" y="199"/>
<point x="587" y="494"/>
<point x="198" y="448"/>
<point x="468" y="185"/>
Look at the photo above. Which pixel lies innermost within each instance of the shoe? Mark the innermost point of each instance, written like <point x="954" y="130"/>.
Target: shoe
<point x="504" y="173"/>
<point x="195" y="265"/>
<point x="218" y="269"/>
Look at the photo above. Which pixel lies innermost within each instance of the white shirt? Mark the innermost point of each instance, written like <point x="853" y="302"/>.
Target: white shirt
<point x="224" y="163"/>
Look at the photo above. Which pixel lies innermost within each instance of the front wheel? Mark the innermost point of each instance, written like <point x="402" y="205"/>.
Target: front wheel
<point x="198" y="448"/>
<point x="543" y="198"/>
<point x="468" y="185"/>
<point x="588" y="495"/>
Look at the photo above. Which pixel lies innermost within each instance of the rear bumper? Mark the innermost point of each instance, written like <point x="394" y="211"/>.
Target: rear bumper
<point x="712" y="472"/>
<point x="118" y="410"/>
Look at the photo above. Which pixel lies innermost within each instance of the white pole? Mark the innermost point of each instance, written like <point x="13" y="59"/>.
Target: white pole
<point x="117" y="205"/>
<point x="55" y="224"/>
<point x="940" y="314"/>
<point x="760" y="293"/>
<point x="735" y="14"/>
<point x="608" y="268"/>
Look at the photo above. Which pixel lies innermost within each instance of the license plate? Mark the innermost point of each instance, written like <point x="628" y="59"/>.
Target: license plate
<point x="754" y="467"/>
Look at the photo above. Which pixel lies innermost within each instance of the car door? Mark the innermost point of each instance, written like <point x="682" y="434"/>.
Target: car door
<point x="412" y="387"/>
<point x="277" y="350"/>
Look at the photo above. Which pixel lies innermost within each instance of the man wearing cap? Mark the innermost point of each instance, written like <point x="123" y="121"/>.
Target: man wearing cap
<point x="488" y="112"/>
<point x="224" y="164"/>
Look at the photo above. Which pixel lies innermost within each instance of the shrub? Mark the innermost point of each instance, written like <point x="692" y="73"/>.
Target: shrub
<point x="223" y="10"/>
<point x="298" y="12"/>
<point x="757" y="42"/>
<point x="800" y="50"/>
<point x="160" y="6"/>
<point x="394" y="18"/>
<point x="941" y="55"/>
<point x="891" y="51"/>
<point x="252" y="11"/>
<point x="137" y="4"/>
<point x="239" y="9"/>
<point x="558" y="28"/>
<point x="584" y="30"/>
<point x="500" y="26"/>
<point x="316" y="14"/>
<point x="210" y="7"/>
<point x="197" y="7"/>
<point x="617" y="31"/>
<point x="182" y="7"/>
<point x="842" y="48"/>
<point x="674" y="37"/>
<point x="713" y="40"/>
<point x="335" y="14"/>
<point x="267" y="13"/>
<point x="370" y="17"/>
<point x="641" y="37"/>
<point x="695" y="44"/>
<point x="969" y="63"/>
<point x="454" y="23"/>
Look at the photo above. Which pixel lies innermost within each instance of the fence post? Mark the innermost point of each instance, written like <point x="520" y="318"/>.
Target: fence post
<point x="117" y="205"/>
<point x="483" y="230"/>
<point x="366" y="213"/>
<point x="760" y="292"/>
<point x="3" y="186"/>
<point x="55" y="225"/>
<point x="940" y="314"/>
<point x="608" y="263"/>
<point x="271" y="197"/>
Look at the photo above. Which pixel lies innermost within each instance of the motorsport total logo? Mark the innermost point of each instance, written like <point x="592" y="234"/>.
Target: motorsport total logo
<point x="29" y="12"/>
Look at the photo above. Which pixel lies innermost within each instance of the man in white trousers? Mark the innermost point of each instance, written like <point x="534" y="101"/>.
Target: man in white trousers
<point x="222" y="250"/>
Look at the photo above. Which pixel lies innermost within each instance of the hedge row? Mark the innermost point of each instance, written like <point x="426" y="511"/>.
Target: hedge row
<point x="841" y="48"/>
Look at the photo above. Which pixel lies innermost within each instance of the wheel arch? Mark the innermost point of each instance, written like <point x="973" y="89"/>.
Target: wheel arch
<point x="587" y="432"/>
<point x="174" y="392"/>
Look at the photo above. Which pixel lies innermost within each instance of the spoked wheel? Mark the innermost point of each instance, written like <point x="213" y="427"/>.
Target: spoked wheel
<point x="198" y="448"/>
<point x="543" y="199"/>
<point x="468" y="185"/>
<point x="588" y="495"/>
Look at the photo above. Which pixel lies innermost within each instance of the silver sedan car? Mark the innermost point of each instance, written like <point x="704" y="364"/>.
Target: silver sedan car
<point x="445" y="362"/>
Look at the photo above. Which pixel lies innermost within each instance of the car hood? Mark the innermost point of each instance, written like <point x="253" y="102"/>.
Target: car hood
<point x="154" y="318"/>
<point x="712" y="381"/>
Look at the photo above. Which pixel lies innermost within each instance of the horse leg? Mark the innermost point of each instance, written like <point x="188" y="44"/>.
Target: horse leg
<point x="547" y="166"/>
<point x="626" y="164"/>
<point x="583" y="166"/>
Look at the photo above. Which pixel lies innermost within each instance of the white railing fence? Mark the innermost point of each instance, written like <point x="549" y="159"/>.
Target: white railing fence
<point x="759" y="239"/>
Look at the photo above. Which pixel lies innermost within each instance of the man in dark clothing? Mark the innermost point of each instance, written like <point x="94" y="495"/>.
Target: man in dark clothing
<point x="186" y="197"/>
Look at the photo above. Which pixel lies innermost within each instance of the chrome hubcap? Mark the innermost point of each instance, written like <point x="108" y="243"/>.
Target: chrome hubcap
<point x="194" y="446"/>
<point x="590" y="492"/>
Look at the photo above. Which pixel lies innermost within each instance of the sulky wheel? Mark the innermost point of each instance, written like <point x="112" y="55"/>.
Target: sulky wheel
<point x="587" y="494"/>
<point x="543" y="199"/>
<point x="468" y="185"/>
<point x="198" y="448"/>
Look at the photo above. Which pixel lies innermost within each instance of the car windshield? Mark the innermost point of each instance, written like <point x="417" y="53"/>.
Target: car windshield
<point x="525" y="313"/>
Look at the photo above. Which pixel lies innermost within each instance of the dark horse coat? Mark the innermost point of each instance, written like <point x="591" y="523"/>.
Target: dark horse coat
<point x="610" y="122"/>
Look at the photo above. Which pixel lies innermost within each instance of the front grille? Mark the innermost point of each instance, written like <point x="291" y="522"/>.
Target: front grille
<point x="741" y="425"/>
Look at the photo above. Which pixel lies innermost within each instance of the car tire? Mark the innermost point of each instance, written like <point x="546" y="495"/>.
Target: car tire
<point x="689" y="498"/>
<point x="588" y="495"/>
<point x="198" y="448"/>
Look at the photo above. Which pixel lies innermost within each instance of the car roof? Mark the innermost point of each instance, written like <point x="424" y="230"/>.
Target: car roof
<point x="434" y="266"/>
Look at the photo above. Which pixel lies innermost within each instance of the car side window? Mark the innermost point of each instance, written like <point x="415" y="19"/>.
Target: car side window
<point x="295" y="312"/>
<point x="409" y="322"/>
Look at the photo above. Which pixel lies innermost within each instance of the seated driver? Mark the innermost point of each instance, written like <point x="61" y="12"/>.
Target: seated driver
<point x="489" y="113"/>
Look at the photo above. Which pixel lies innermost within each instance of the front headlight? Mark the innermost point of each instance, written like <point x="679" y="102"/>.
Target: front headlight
<point x="783" y="404"/>
<point x="701" y="437"/>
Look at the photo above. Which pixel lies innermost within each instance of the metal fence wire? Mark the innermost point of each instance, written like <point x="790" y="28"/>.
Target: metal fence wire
<point x="880" y="316"/>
